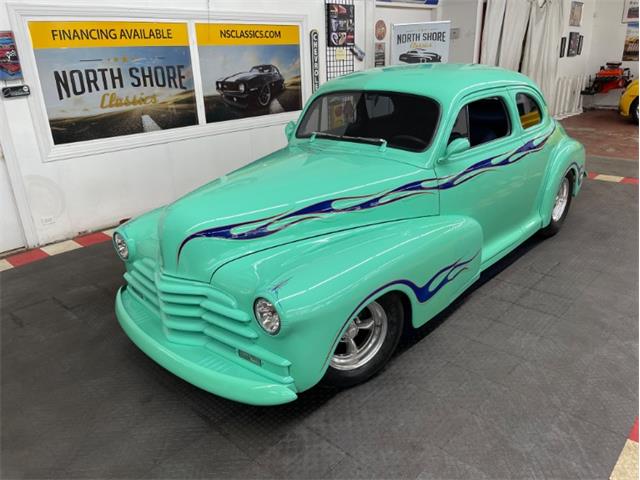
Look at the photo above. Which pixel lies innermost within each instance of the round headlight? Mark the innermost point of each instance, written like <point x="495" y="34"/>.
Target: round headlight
<point x="267" y="316"/>
<point x="121" y="246"/>
<point x="241" y="87"/>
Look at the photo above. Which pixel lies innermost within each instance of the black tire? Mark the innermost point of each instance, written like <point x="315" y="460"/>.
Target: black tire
<point x="392" y="306"/>
<point x="263" y="96"/>
<point x="633" y="110"/>
<point x="555" y="225"/>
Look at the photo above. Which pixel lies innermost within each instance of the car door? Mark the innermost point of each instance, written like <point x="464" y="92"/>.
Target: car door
<point x="485" y="181"/>
<point x="535" y="125"/>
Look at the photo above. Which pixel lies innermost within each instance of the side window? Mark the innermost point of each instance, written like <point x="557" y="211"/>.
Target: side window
<point x="461" y="127"/>
<point x="528" y="109"/>
<point x="488" y="120"/>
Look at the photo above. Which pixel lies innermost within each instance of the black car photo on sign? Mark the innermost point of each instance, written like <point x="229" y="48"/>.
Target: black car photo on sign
<point x="249" y="70"/>
<point x="253" y="88"/>
<point x="419" y="55"/>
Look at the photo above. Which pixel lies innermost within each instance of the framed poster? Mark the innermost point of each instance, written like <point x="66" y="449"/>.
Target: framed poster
<point x="630" y="52"/>
<point x="575" y="16"/>
<point x="249" y="69"/>
<point x="340" y="25"/>
<point x="378" y="59"/>
<point x="9" y="63"/>
<point x="563" y="46"/>
<point x="630" y="12"/>
<point x="408" y="3"/>
<point x="109" y="79"/>
<point x="580" y="40"/>
<point x="426" y="42"/>
<point x="572" y="49"/>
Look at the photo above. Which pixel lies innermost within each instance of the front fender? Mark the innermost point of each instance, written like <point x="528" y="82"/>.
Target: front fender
<point x="568" y="155"/>
<point x="319" y="285"/>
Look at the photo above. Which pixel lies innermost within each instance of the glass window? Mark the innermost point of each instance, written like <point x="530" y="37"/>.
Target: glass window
<point x="488" y="120"/>
<point x="461" y="127"/>
<point x="528" y="109"/>
<point x="404" y="121"/>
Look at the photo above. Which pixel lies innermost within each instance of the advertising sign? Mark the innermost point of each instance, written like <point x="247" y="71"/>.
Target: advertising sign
<point x="249" y="70"/>
<point x="630" y="52"/>
<point x="107" y="79"/>
<point x="9" y="63"/>
<point x="426" y="42"/>
<point x="315" y="60"/>
<point x="340" y="25"/>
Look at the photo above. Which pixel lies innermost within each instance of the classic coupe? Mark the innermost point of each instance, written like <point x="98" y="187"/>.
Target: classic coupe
<point x="419" y="55"/>
<point x="255" y="87"/>
<point x="397" y="187"/>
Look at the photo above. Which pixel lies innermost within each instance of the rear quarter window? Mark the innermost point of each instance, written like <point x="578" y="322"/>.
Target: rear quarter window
<point x="528" y="110"/>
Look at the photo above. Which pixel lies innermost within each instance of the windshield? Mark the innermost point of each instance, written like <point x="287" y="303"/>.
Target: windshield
<point x="401" y="120"/>
<point x="261" y="69"/>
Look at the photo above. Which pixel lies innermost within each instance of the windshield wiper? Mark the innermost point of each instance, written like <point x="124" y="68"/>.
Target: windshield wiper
<point x="373" y="141"/>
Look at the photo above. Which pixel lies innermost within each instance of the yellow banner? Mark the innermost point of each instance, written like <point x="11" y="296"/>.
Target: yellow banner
<point x="107" y="34"/>
<point x="246" y="34"/>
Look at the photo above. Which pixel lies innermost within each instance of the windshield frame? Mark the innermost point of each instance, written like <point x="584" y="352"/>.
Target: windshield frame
<point x="387" y="92"/>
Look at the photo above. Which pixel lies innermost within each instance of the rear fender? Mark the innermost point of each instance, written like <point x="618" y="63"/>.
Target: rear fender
<point x="567" y="156"/>
<point x="320" y="284"/>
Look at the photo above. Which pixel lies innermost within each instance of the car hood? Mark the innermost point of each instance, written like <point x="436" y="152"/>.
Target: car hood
<point x="295" y="193"/>
<point x="239" y="76"/>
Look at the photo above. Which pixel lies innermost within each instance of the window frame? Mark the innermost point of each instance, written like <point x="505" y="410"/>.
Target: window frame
<point x="436" y="129"/>
<point x="498" y="94"/>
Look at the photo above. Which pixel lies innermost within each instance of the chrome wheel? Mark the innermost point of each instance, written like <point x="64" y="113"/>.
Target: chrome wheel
<point x="562" y="197"/>
<point x="363" y="338"/>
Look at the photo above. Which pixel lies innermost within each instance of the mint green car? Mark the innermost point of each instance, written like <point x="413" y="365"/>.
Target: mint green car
<point x="397" y="188"/>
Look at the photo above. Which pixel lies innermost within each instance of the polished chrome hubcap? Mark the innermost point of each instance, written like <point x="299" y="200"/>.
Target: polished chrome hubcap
<point x="562" y="197"/>
<point x="362" y="339"/>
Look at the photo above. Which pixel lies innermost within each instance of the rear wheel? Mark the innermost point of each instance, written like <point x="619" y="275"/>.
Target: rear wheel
<point x="561" y="206"/>
<point x="368" y="343"/>
<point x="633" y="110"/>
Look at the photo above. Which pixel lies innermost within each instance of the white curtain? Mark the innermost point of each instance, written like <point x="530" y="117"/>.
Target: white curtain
<point x="516" y="17"/>
<point x="492" y="32"/>
<point x="542" y="46"/>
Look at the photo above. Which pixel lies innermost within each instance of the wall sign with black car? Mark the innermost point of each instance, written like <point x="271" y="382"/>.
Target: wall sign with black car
<point x="253" y="88"/>
<point x="420" y="55"/>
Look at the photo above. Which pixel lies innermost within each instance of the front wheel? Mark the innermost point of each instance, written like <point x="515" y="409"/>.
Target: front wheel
<point x="633" y="109"/>
<point x="368" y="343"/>
<point x="560" y="207"/>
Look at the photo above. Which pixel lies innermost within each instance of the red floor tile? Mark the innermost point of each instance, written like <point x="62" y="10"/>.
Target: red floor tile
<point x="92" y="239"/>
<point x="632" y="181"/>
<point x="26" y="257"/>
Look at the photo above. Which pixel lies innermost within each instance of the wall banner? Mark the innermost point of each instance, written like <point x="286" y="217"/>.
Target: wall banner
<point x="249" y="70"/>
<point x="426" y="42"/>
<point x="9" y="63"/>
<point x="315" y="60"/>
<point x="107" y="79"/>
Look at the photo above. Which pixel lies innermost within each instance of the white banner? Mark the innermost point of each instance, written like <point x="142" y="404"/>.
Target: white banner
<point x="426" y="42"/>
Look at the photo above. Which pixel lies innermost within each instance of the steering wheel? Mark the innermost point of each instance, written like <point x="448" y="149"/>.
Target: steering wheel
<point x="410" y="138"/>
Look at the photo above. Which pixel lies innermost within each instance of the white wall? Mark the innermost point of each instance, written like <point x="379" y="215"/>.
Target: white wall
<point x="463" y="15"/>
<point x="59" y="199"/>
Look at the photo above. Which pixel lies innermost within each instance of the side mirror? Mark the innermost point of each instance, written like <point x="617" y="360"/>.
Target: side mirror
<point x="459" y="145"/>
<point x="289" y="128"/>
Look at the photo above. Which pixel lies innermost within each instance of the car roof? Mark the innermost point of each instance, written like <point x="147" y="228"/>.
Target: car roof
<point x="441" y="81"/>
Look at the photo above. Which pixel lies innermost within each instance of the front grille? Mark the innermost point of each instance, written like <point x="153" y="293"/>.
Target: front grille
<point x="194" y="313"/>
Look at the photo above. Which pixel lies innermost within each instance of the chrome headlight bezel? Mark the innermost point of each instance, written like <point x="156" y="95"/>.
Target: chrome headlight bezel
<point x="121" y="246"/>
<point x="241" y="87"/>
<point x="267" y="316"/>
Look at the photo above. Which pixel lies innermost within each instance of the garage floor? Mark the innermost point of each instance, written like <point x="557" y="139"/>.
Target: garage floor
<point x="533" y="374"/>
